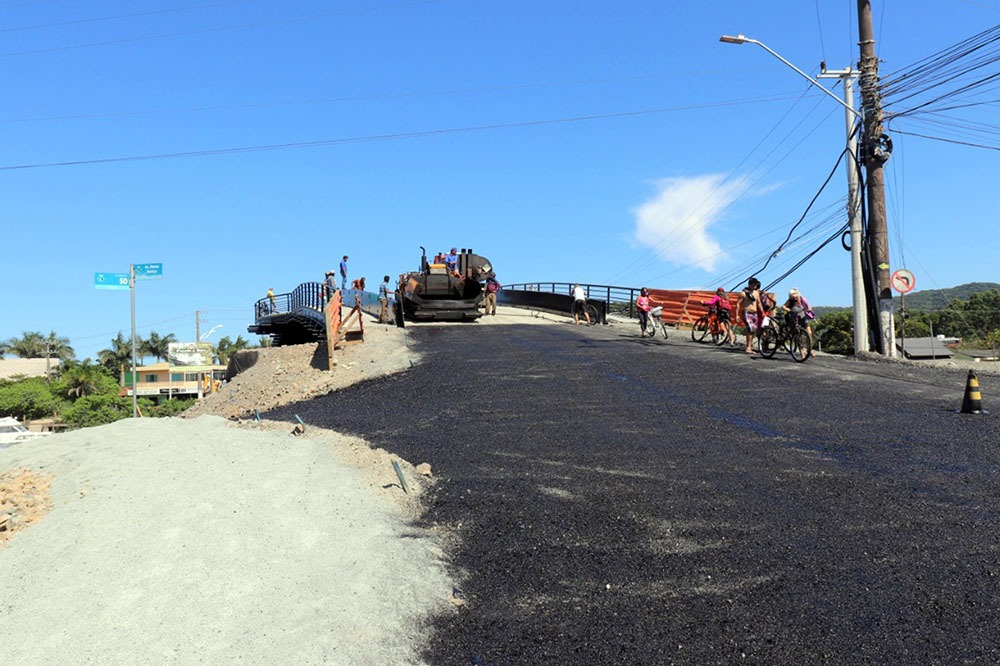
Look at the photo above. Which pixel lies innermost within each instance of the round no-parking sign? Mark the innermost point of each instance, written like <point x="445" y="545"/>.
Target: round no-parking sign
<point x="903" y="281"/>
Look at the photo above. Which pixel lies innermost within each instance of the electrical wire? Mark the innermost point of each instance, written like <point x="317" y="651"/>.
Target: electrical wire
<point x="683" y="233"/>
<point x="205" y="31"/>
<point x="366" y="139"/>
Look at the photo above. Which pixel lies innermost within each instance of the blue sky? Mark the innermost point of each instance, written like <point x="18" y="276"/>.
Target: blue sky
<point x="610" y="143"/>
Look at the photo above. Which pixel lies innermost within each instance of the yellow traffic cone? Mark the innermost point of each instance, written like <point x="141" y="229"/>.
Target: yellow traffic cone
<point x="972" y="403"/>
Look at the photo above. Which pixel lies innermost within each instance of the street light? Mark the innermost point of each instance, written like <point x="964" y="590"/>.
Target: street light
<point x="847" y="76"/>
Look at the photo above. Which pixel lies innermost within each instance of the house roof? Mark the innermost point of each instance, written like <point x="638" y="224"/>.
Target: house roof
<point x="923" y="348"/>
<point x="26" y="367"/>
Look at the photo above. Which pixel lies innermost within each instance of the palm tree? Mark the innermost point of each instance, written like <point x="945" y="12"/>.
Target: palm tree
<point x="59" y="347"/>
<point x="157" y="346"/>
<point x="82" y="378"/>
<point x="33" y="344"/>
<point x="227" y="348"/>
<point x="29" y="345"/>
<point x="119" y="355"/>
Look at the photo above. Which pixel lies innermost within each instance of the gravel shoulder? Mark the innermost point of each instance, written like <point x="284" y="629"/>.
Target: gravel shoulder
<point x="219" y="539"/>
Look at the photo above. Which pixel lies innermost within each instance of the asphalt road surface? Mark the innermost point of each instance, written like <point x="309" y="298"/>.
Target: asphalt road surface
<point x="627" y="501"/>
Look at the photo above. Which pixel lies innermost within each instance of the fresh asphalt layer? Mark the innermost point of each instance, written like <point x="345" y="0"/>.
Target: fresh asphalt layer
<point x="617" y="500"/>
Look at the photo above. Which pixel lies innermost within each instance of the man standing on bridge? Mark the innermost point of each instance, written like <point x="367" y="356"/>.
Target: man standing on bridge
<point x="343" y="273"/>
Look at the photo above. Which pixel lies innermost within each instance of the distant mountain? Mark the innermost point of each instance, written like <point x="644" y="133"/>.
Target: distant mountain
<point x="930" y="300"/>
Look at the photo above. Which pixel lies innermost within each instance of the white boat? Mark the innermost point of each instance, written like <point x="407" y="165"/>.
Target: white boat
<point x="12" y="432"/>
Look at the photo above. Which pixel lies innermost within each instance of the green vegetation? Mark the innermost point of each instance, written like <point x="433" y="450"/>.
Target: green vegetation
<point x="834" y="330"/>
<point x="937" y="299"/>
<point x="974" y="318"/>
<point x="33" y="344"/>
<point x="83" y="395"/>
<point x="86" y="393"/>
<point x="227" y="348"/>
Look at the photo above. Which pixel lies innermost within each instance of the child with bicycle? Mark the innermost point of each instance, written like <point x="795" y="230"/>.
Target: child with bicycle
<point x="643" y="306"/>
<point x="723" y="312"/>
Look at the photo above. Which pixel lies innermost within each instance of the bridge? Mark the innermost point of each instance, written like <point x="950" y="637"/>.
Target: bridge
<point x="297" y="317"/>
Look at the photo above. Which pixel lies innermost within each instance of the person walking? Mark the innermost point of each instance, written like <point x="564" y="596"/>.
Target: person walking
<point x="643" y="306"/>
<point x="580" y="304"/>
<point x="383" y="301"/>
<point x="492" y="287"/>
<point x="343" y="273"/>
<point x="270" y="300"/>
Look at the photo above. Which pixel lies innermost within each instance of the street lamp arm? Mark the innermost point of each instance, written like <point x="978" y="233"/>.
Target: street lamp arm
<point x="741" y="39"/>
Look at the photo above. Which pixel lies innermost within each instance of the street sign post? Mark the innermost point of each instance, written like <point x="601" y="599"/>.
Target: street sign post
<point x="127" y="281"/>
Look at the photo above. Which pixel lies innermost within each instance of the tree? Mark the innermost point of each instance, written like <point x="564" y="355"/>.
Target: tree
<point x="992" y="341"/>
<point x="98" y="409"/>
<point x="971" y="319"/>
<point x="226" y="348"/>
<point x="33" y="344"/>
<point x="157" y="346"/>
<point x="27" y="399"/>
<point x="118" y="356"/>
<point x="79" y="379"/>
<point x="834" y="331"/>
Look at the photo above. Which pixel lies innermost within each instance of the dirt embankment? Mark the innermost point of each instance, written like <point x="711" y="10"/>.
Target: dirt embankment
<point x="283" y="375"/>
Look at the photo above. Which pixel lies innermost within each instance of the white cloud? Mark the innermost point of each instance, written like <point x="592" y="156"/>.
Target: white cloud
<point x="676" y="221"/>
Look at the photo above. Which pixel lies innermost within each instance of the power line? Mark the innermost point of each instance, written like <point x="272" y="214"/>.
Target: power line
<point x="368" y="138"/>
<point x="205" y="31"/>
<point x="938" y="138"/>
<point x="116" y="17"/>
<point x="649" y="257"/>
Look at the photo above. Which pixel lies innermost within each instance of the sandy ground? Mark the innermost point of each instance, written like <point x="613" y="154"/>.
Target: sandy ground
<point x="215" y="538"/>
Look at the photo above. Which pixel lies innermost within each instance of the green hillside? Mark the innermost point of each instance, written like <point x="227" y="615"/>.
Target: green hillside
<point x="928" y="300"/>
<point x="931" y="300"/>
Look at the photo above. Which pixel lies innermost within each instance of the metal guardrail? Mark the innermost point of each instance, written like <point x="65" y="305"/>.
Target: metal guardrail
<point x="307" y="295"/>
<point x="618" y="300"/>
<point x="548" y="302"/>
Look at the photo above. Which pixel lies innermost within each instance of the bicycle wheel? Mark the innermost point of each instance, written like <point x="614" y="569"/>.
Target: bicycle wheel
<point x="592" y="312"/>
<point x="663" y="329"/>
<point x="768" y="342"/>
<point x="800" y="346"/>
<point x="724" y="332"/>
<point x="700" y="329"/>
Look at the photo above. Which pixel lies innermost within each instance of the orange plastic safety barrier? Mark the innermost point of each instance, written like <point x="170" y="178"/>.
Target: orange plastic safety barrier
<point x="683" y="308"/>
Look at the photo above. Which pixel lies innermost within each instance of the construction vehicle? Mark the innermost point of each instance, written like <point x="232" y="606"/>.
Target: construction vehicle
<point x="435" y="293"/>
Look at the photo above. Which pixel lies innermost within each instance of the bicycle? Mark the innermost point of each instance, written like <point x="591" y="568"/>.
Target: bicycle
<point x="790" y="335"/>
<point x="655" y="321"/>
<point x="591" y="314"/>
<point x="709" y="323"/>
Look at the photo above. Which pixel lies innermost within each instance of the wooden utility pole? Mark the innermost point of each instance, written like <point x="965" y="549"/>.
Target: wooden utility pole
<point x="875" y="150"/>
